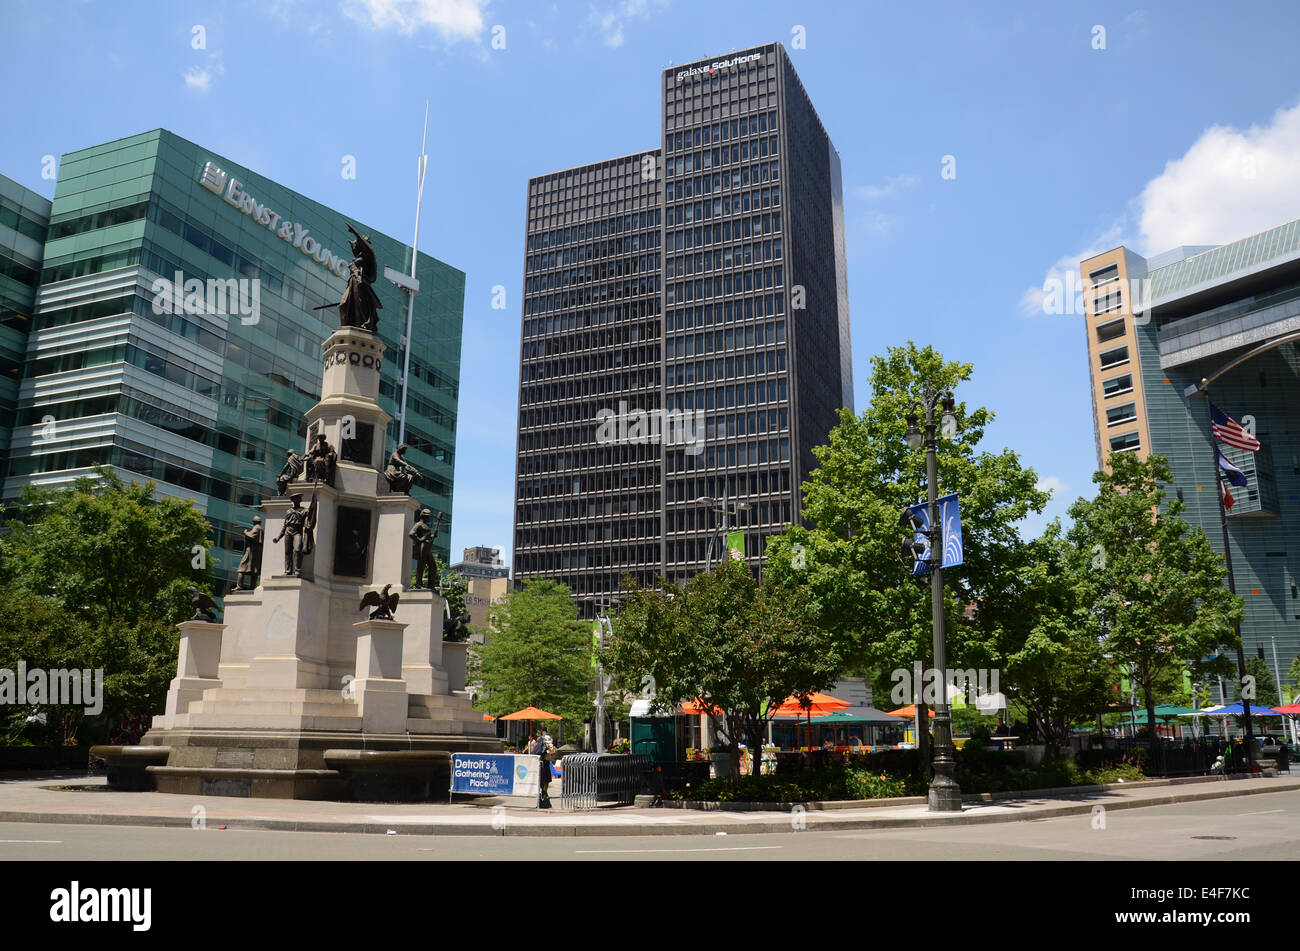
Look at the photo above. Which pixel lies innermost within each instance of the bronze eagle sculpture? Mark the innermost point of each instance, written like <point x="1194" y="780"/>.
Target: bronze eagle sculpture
<point x="384" y="604"/>
<point x="204" y="607"/>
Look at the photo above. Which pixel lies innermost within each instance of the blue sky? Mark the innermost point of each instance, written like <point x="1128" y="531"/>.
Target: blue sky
<point x="1073" y="128"/>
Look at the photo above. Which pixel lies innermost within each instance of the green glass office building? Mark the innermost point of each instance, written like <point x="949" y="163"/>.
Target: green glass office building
<point x="24" y="220"/>
<point x="174" y="334"/>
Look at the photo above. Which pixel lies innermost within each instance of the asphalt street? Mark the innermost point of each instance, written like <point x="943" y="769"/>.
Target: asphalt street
<point x="1260" y="827"/>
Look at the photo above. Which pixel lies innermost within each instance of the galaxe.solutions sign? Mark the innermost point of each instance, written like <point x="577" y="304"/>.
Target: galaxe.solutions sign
<point x="716" y="65"/>
<point x="231" y="191"/>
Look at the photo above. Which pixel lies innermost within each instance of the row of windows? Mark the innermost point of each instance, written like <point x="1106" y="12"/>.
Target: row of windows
<point x="692" y="519"/>
<point x="596" y="317"/>
<point x="705" y="315"/>
<point x="645" y="263"/>
<point x="26" y="274"/>
<point x="726" y="155"/>
<point x="721" y="132"/>
<point x="689" y="188"/>
<point x="15" y="218"/>
<point x="592" y="363"/>
<point x="578" y="254"/>
<point x="743" y="282"/>
<point x="590" y="532"/>
<point x="724" y="232"/>
<point x="737" y="486"/>
<point x="731" y="256"/>
<point x="596" y="229"/>
<point x="725" y="206"/>
<point x="101" y="219"/>
<point x="594" y="294"/>
<point x="592" y="340"/>
<point x="143" y="355"/>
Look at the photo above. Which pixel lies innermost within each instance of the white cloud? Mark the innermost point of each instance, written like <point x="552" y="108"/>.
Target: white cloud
<point x="454" y="19"/>
<point x="1229" y="184"/>
<point x="1052" y="484"/>
<point x="200" y="77"/>
<point x="612" y="19"/>
<point x="892" y="186"/>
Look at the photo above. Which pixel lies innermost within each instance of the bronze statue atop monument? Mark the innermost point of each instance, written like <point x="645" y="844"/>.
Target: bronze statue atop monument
<point x="360" y="305"/>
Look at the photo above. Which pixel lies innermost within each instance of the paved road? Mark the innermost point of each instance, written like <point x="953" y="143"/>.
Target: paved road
<point x="1260" y="827"/>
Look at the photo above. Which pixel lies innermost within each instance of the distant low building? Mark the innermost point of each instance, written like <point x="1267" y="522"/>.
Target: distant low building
<point x="488" y="580"/>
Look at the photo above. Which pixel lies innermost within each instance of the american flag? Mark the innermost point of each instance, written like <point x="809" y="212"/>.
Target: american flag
<point x="1230" y="431"/>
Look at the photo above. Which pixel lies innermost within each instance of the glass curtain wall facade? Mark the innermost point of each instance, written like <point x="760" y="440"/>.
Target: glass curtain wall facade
<point x="204" y="390"/>
<point x="24" y="220"/>
<point x="750" y="362"/>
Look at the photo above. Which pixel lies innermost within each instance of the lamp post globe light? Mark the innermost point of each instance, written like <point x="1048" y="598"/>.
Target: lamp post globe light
<point x="726" y="508"/>
<point x="945" y="794"/>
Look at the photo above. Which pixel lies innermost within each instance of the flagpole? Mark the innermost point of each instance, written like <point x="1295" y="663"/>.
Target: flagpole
<point x="1232" y="585"/>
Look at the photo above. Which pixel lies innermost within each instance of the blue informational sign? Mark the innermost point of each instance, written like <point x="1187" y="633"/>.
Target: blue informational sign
<point x="950" y="516"/>
<point x="494" y="774"/>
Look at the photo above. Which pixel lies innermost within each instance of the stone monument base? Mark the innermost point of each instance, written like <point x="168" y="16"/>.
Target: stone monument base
<point x="293" y="764"/>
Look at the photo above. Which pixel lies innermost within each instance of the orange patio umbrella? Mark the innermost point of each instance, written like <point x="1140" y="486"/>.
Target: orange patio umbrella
<point x="530" y="714"/>
<point x="908" y="712"/>
<point x="819" y="703"/>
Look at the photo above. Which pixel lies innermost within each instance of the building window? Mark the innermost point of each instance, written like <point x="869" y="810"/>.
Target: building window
<point x="1121" y="414"/>
<point x="1104" y="275"/>
<point x="1110" y="330"/>
<point x="1117" y="385"/>
<point x="1124" y="442"/>
<point x="1113" y="358"/>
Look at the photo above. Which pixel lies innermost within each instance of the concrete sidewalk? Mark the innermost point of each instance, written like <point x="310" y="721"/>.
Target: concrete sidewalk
<point x="88" y="801"/>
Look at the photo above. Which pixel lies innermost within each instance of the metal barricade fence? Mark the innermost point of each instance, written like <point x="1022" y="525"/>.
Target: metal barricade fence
<point x="593" y="778"/>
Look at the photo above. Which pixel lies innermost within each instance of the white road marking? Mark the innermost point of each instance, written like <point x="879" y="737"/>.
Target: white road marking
<point x="738" y="848"/>
<point x="1264" y="813"/>
<point x="38" y="841"/>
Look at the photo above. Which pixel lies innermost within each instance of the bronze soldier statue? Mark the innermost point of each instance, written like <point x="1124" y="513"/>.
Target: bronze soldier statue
<point x="322" y="461"/>
<point x="250" y="565"/>
<point x="400" y="473"/>
<point x="423" y="537"/>
<point x="294" y="533"/>
<point x="293" y="466"/>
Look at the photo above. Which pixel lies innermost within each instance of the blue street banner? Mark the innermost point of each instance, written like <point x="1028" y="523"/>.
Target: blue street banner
<point x="950" y="517"/>
<point x="495" y="774"/>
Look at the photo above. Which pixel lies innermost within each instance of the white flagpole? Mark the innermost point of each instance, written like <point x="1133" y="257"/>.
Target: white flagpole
<point x="421" y="165"/>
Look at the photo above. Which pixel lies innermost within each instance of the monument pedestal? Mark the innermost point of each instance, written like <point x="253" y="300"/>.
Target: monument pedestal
<point x="292" y="684"/>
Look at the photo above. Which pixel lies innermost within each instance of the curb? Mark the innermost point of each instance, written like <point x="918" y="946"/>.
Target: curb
<point x="1222" y="790"/>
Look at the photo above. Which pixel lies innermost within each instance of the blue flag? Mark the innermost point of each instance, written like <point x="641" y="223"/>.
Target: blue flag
<point x="950" y="516"/>
<point x="1235" y="475"/>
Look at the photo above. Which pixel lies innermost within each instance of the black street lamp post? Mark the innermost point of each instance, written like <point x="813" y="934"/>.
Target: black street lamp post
<point x="945" y="794"/>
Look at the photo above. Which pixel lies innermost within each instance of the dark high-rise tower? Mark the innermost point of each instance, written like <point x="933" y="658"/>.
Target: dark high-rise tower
<point x="734" y="354"/>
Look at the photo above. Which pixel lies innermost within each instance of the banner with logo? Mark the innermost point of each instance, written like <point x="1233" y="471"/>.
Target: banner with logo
<point x="495" y="774"/>
<point x="950" y="517"/>
<point x="736" y="545"/>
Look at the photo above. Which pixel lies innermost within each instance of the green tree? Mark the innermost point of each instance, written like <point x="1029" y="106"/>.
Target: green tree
<point x="96" y="575"/>
<point x="1154" y="584"/>
<point x="1265" y="685"/>
<point x="1048" y="641"/>
<point x="107" y="550"/>
<point x="538" y="655"/>
<point x="737" y="647"/>
<point x="848" y="559"/>
<point x="1294" y="676"/>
